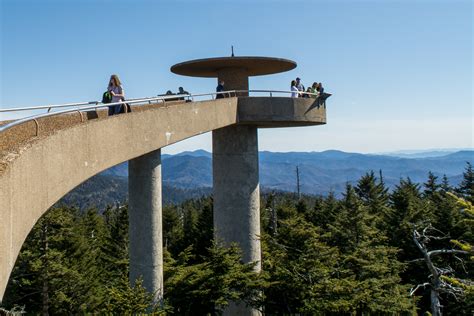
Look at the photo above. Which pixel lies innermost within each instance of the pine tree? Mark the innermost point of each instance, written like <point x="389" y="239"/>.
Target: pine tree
<point x="445" y="187"/>
<point x="124" y="299"/>
<point x="208" y="286"/>
<point x="408" y="208"/>
<point x="375" y="197"/>
<point x="431" y="185"/>
<point x="115" y="247"/>
<point x="466" y="187"/>
<point x="45" y="279"/>
<point x="324" y="211"/>
<point x="299" y="266"/>
<point x="368" y="264"/>
<point x="205" y="227"/>
<point x="89" y="237"/>
<point x="172" y="228"/>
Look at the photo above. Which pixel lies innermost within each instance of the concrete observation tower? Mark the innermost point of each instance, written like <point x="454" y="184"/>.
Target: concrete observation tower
<point x="235" y="153"/>
<point x="44" y="157"/>
<point x="235" y="148"/>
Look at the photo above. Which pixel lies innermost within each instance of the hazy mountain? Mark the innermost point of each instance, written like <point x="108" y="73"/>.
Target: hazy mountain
<point x="102" y="190"/>
<point x="320" y="172"/>
<point x="424" y="153"/>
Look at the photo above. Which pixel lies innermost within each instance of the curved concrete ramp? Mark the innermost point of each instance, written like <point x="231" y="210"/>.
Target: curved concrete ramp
<point x="37" y="171"/>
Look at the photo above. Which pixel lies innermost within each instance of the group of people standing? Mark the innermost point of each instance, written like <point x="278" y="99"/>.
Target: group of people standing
<point x="116" y="93"/>
<point x="298" y="90"/>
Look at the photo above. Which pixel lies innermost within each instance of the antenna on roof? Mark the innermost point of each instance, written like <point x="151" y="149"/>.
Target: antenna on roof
<point x="232" y="50"/>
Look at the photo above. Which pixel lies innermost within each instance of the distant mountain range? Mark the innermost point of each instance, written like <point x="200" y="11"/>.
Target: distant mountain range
<point x="320" y="172"/>
<point x="423" y="153"/>
<point x="101" y="191"/>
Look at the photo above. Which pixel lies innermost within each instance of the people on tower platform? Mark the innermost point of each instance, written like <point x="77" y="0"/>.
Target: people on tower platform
<point x="182" y="91"/>
<point x="294" y="89"/>
<point x="316" y="91"/>
<point x="117" y="92"/>
<point x="299" y="85"/>
<point x="320" y="88"/>
<point x="220" y="88"/>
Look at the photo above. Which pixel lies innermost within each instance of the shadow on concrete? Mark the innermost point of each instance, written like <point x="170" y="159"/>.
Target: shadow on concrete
<point x="92" y="115"/>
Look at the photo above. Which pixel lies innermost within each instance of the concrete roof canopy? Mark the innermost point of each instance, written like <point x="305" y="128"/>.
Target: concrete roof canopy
<point x="254" y="66"/>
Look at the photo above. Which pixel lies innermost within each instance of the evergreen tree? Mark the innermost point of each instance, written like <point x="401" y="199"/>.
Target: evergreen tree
<point x="374" y="196"/>
<point x="172" y="228"/>
<point x="368" y="264"/>
<point x="124" y="299"/>
<point x="207" y="287"/>
<point x="466" y="187"/>
<point x="408" y="208"/>
<point x="45" y="279"/>
<point x="431" y="185"/>
<point x="115" y="247"/>
<point x="89" y="237"/>
<point x="204" y="227"/>
<point x="324" y="211"/>
<point x="445" y="215"/>
<point x="445" y="187"/>
<point x="300" y="268"/>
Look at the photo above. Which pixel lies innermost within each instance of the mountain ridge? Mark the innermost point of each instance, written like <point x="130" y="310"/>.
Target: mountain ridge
<point x="320" y="172"/>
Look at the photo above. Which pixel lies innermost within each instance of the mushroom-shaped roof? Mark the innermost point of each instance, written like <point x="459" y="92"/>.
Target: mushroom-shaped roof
<point x="255" y="66"/>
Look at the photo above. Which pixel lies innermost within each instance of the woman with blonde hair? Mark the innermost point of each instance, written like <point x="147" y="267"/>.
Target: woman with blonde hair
<point x="118" y="94"/>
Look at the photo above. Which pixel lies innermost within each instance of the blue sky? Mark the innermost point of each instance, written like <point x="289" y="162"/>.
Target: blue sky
<point x="400" y="71"/>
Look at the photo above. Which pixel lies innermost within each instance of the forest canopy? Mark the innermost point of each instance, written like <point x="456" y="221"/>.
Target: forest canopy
<point x="365" y="253"/>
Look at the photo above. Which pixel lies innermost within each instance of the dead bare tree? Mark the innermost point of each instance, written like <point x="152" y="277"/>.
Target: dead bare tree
<point x="437" y="283"/>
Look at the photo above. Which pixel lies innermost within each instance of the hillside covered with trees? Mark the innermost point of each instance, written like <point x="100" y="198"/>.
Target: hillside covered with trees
<point x="371" y="252"/>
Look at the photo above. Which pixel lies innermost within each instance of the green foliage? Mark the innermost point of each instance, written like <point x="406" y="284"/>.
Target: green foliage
<point x="320" y="255"/>
<point x="346" y="270"/>
<point x="127" y="299"/>
<point x="466" y="188"/>
<point x="207" y="287"/>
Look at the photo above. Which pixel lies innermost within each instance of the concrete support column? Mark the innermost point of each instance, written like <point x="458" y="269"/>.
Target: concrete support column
<point x="145" y="223"/>
<point x="237" y="195"/>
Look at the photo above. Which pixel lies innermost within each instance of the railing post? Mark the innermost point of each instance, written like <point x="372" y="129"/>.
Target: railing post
<point x="37" y="126"/>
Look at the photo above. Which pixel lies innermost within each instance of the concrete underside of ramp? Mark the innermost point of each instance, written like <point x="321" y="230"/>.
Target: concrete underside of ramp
<point x="37" y="170"/>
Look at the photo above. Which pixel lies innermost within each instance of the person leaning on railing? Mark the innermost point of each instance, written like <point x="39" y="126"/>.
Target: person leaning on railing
<point x="182" y="91"/>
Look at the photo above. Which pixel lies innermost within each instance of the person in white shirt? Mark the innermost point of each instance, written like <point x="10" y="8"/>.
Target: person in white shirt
<point x="294" y="89"/>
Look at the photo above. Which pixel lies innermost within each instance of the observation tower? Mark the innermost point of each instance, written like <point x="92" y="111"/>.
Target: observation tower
<point x="235" y="148"/>
<point x="45" y="156"/>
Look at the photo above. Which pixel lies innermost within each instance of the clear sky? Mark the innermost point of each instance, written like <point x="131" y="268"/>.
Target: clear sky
<point x="401" y="72"/>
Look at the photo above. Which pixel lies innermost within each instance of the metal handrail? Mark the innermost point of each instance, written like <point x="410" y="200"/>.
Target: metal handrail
<point x="48" y="106"/>
<point x="97" y="104"/>
<point x="85" y="108"/>
<point x="131" y="100"/>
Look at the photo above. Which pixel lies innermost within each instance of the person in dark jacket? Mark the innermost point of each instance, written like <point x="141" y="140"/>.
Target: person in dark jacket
<point x="220" y="88"/>
<point x="182" y="91"/>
